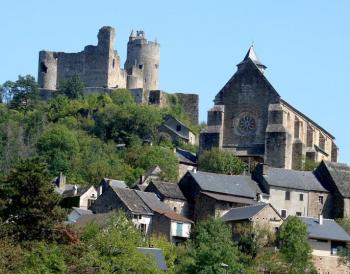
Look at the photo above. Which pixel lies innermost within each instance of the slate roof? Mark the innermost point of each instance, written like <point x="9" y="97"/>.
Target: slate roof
<point x="82" y="211"/>
<point x="229" y="198"/>
<point x="238" y="185"/>
<point x="157" y="253"/>
<point x="185" y="156"/>
<point x="100" y="219"/>
<point x="70" y="192"/>
<point x="132" y="201"/>
<point x="169" y="190"/>
<point x="245" y="212"/>
<point x="329" y="230"/>
<point x="341" y="176"/>
<point x="115" y="183"/>
<point x="152" y="201"/>
<point x="294" y="179"/>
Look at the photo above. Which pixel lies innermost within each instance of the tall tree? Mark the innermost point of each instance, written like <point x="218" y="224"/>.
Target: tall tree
<point x="30" y="208"/>
<point x="210" y="250"/>
<point x="24" y="93"/>
<point x="295" y="249"/>
<point x="220" y="161"/>
<point x="73" y="88"/>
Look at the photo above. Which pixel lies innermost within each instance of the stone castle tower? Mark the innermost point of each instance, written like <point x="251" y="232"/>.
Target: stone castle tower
<point x="142" y="63"/>
<point x="99" y="66"/>
<point x="251" y="120"/>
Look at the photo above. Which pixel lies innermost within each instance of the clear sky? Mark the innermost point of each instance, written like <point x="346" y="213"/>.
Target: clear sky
<point x="304" y="44"/>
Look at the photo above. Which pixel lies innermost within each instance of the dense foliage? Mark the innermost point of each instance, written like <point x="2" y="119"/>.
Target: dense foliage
<point x="294" y="247"/>
<point x="210" y="250"/>
<point x="80" y="135"/>
<point x="220" y="161"/>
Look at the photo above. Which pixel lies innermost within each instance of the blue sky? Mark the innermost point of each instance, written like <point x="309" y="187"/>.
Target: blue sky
<point x="304" y="44"/>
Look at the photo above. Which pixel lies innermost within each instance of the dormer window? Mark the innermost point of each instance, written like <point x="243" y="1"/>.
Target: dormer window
<point x="178" y="128"/>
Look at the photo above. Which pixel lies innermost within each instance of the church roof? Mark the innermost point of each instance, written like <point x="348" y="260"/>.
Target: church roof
<point x="252" y="56"/>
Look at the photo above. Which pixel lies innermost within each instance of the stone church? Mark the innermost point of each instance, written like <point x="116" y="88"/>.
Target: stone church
<point x="250" y="119"/>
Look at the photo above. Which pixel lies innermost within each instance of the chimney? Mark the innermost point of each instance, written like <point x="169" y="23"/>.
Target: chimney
<point x="142" y="178"/>
<point x="61" y="181"/>
<point x="75" y="190"/>
<point x="320" y="219"/>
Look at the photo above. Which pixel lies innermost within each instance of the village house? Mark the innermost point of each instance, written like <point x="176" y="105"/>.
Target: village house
<point x="115" y="198"/>
<point x="187" y="161"/>
<point x="335" y="177"/>
<point x="211" y="194"/>
<point x="147" y="212"/>
<point x="153" y="174"/>
<point x="175" y="227"/>
<point x="259" y="215"/>
<point x="74" y="195"/>
<point x="294" y="192"/>
<point x="170" y="194"/>
<point x="106" y="182"/>
<point x="325" y="238"/>
<point x="76" y="213"/>
<point x="177" y="130"/>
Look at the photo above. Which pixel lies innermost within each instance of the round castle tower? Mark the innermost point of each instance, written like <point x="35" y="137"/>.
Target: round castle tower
<point x="142" y="63"/>
<point x="47" y="71"/>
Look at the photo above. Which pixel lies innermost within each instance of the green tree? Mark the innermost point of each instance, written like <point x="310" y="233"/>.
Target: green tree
<point x="220" y="161"/>
<point x="147" y="156"/>
<point x="73" y="88"/>
<point x="122" y="97"/>
<point x="113" y="249"/>
<point x="30" y="208"/>
<point x="295" y="249"/>
<point x="24" y="93"/>
<point x="210" y="250"/>
<point x="58" y="145"/>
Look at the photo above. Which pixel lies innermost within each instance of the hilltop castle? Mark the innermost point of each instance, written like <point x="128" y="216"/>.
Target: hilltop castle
<point x="251" y="120"/>
<point x="98" y="67"/>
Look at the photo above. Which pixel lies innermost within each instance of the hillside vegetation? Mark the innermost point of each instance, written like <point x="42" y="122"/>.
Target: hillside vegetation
<point x="80" y="135"/>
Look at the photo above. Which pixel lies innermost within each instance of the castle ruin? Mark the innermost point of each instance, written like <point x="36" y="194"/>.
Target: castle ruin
<point x="98" y="67"/>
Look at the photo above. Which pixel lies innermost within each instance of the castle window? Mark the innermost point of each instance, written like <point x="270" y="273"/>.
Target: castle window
<point x="140" y="66"/>
<point x="113" y="63"/>
<point x="156" y="66"/>
<point x="287" y="196"/>
<point x="43" y="67"/>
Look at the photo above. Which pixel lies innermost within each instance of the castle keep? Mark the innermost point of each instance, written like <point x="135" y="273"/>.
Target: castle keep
<point x="251" y="120"/>
<point x="98" y="67"/>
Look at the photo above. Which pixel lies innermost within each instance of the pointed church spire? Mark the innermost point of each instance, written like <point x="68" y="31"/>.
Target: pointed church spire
<point x="253" y="57"/>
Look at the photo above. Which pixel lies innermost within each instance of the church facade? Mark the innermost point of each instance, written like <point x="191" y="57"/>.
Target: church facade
<point x="250" y="119"/>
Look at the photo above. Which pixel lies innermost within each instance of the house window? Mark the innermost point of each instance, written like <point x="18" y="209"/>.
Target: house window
<point x="90" y="202"/>
<point x="298" y="213"/>
<point x="287" y="197"/>
<point x="284" y="213"/>
<point x="179" y="227"/>
<point x="320" y="199"/>
<point x="175" y="208"/>
<point x="178" y="128"/>
<point x="143" y="228"/>
<point x="301" y="197"/>
<point x="140" y="66"/>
